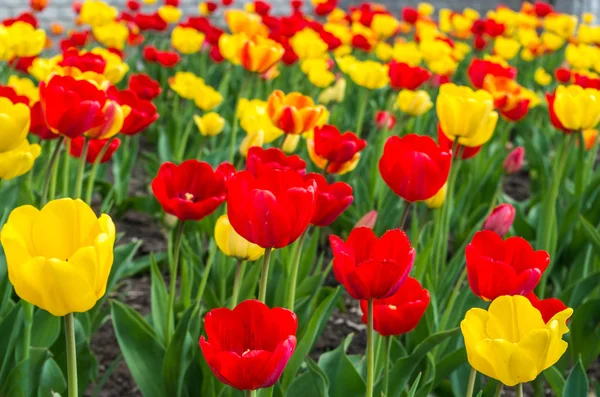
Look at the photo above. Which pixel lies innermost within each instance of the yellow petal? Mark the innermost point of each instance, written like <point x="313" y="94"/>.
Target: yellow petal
<point x="512" y="317"/>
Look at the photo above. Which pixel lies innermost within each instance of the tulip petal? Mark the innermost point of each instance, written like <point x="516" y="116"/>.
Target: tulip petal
<point x="511" y="318"/>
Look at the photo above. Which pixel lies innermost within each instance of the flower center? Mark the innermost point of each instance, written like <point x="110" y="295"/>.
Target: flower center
<point x="189" y="197"/>
<point x="246" y="352"/>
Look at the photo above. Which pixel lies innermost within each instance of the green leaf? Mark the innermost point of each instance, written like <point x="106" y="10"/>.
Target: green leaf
<point x="577" y="382"/>
<point x="585" y="333"/>
<point x="142" y="350"/>
<point x="51" y="379"/>
<point x="344" y="379"/>
<point x="555" y="380"/>
<point x="159" y="298"/>
<point x="312" y="383"/>
<point x="592" y="234"/>
<point x="23" y="374"/>
<point x="413" y="389"/>
<point x="179" y="353"/>
<point x="315" y="328"/>
<point x="10" y="330"/>
<point x="45" y="330"/>
<point x="403" y="368"/>
<point x="576" y="293"/>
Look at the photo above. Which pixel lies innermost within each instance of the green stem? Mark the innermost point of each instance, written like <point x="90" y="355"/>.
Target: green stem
<point x="405" y="212"/>
<point x="264" y="276"/>
<point x="240" y="266"/>
<point x="250" y="393"/>
<point x="71" y="355"/>
<point x="471" y="386"/>
<point x="370" y="351"/>
<point x="498" y="392"/>
<point x="54" y="178"/>
<point x="23" y="354"/>
<point x="81" y="170"/>
<point x="386" y="365"/>
<point x="173" y="283"/>
<point x="362" y="108"/>
<point x="89" y="192"/>
<point x="184" y="138"/>
<point x="205" y="275"/>
<point x="66" y="176"/>
<point x="50" y="165"/>
<point x="520" y="390"/>
<point x="294" y="275"/>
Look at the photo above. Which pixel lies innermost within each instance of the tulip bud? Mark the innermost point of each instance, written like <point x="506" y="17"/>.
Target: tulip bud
<point x="210" y="124"/>
<point x="514" y="161"/>
<point x="254" y="139"/>
<point x="368" y="220"/>
<point x="290" y="143"/>
<point x="385" y="120"/>
<point x="501" y="219"/>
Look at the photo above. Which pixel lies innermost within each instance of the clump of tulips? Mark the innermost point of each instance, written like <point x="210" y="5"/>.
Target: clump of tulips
<point x="430" y="173"/>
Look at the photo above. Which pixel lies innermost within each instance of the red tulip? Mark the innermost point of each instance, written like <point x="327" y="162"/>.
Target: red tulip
<point x="261" y="7"/>
<point x="325" y="7"/>
<point x="167" y="59"/>
<point x="361" y="42"/>
<point x="399" y="313"/>
<point x="95" y="146"/>
<point x="22" y="64"/>
<point x="191" y="190"/>
<point x="480" y="68"/>
<point x="493" y="28"/>
<point x="248" y="347"/>
<point x="404" y="76"/>
<point x="501" y="219"/>
<point x="25" y="17"/>
<point x="38" y="123"/>
<point x="227" y="3"/>
<point x="272" y="209"/>
<point x="150" y="22"/>
<point x="296" y="4"/>
<point x="11" y="94"/>
<point x="174" y="3"/>
<point x="142" y="114"/>
<point x="586" y="81"/>
<point x="144" y="86"/>
<point x="332" y="200"/>
<point x="38" y="5"/>
<point x="480" y="43"/>
<point x="514" y="161"/>
<point x="258" y="159"/>
<point x="414" y="167"/>
<point x="368" y="220"/>
<point x="464" y="151"/>
<point x="563" y="75"/>
<point x="85" y="62"/>
<point x="547" y="307"/>
<point x="371" y="267"/>
<point x="509" y="267"/>
<point x="71" y="107"/>
<point x="553" y="117"/>
<point x="133" y="5"/>
<point x="75" y="40"/>
<point x="335" y="147"/>
<point x="215" y="54"/>
<point x="543" y="9"/>
<point x="410" y="15"/>
<point x="385" y="120"/>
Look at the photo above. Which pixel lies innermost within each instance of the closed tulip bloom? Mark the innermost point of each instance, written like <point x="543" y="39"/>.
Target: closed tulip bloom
<point x="511" y="342"/>
<point x="368" y="220"/>
<point x="208" y="98"/>
<point x="370" y="267"/>
<point x="15" y="119"/>
<point x="186" y="84"/>
<point x="369" y="74"/>
<point x="114" y="117"/>
<point x="258" y="159"/>
<point x="550" y="98"/>
<point x="71" y="107"/>
<point x="18" y="161"/>
<point x="406" y="77"/>
<point x="25" y="40"/>
<point x="514" y="161"/>
<point x="336" y="147"/>
<point x="232" y="244"/>
<point x="480" y="68"/>
<point x="332" y="200"/>
<point x="548" y="307"/>
<point x="272" y="209"/>
<point x="142" y="113"/>
<point x="509" y="267"/>
<point x="464" y="152"/>
<point x="260" y="54"/>
<point x="438" y="199"/>
<point x="253" y="139"/>
<point x="170" y="14"/>
<point x="385" y="120"/>
<point x="335" y="93"/>
<point x="186" y="40"/>
<point x="399" y="313"/>
<point x="542" y="77"/>
<point x="414" y="103"/>
<point x="144" y="86"/>
<point x="293" y="113"/>
<point x="95" y="146"/>
<point x="501" y="219"/>
<point x="248" y="347"/>
<point x="466" y="115"/>
<point x="509" y="97"/>
<point x="210" y="124"/>
<point x="414" y="167"/>
<point x="191" y="190"/>
<point x="59" y="257"/>
<point x="577" y="108"/>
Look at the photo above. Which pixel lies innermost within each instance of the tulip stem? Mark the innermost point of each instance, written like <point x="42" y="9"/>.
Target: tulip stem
<point x="362" y="108"/>
<point x="28" y="311"/>
<point x="184" y="138"/>
<point x="386" y="365"/>
<point x="471" y="386"/>
<point x="264" y="276"/>
<point x="520" y="390"/>
<point x="370" y="350"/>
<point x="498" y="392"/>
<point x="89" y="192"/>
<point x="66" y="176"/>
<point x="405" y="212"/>
<point x="173" y="283"/>
<point x="294" y="275"/>
<point x="49" y="167"/>
<point x="205" y="274"/>
<point x="81" y="170"/>
<point x="240" y="266"/>
<point x="250" y="393"/>
<point x="71" y="355"/>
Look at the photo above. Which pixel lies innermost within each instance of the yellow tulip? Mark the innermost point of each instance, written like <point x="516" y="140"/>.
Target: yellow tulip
<point x="290" y="143"/>
<point x="369" y="74"/>
<point x="506" y="48"/>
<point x="186" y="84"/>
<point x="256" y="138"/>
<point x="232" y="244"/>
<point x="542" y="77"/>
<point x="335" y="93"/>
<point x="15" y="120"/>
<point x="111" y="35"/>
<point x="438" y="200"/>
<point x="552" y="40"/>
<point x="59" y="257"/>
<point x="340" y="31"/>
<point x="253" y="117"/>
<point x="425" y="9"/>
<point x="41" y="68"/>
<point x="581" y="56"/>
<point x="466" y="115"/>
<point x="115" y="68"/>
<point x="562" y="24"/>
<point x="308" y="44"/>
<point x="210" y="124"/>
<point x="260" y="55"/>
<point x="114" y="116"/>
<point x="527" y="55"/>
<point x="208" y="98"/>
<point x="577" y="108"/>
<point x="588" y="17"/>
<point x="18" y="161"/>
<point x="186" y="40"/>
<point x="384" y="25"/>
<point x="25" y="40"/>
<point x="97" y="13"/>
<point x="240" y="21"/>
<point x="510" y="341"/>
<point x="414" y="103"/>
<point x="408" y="53"/>
<point x="170" y="14"/>
<point x="384" y="51"/>
<point x="24" y="86"/>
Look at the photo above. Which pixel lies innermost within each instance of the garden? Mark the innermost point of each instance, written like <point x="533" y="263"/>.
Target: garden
<point x="324" y="201"/>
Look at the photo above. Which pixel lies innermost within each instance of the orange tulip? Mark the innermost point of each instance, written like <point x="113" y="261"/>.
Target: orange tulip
<point x="259" y="54"/>
<point x="293" y="113"/>
<point x="509" y="97"/>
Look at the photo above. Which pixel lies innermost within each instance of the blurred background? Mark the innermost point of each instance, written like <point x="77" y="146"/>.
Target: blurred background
<point x="61" y="10"/>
